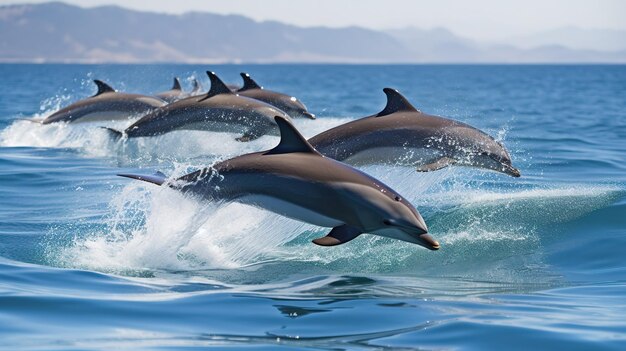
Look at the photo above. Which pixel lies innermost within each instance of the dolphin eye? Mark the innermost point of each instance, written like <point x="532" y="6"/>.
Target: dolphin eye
<point x="397" y="198"/>
<point x="386" y="222"/>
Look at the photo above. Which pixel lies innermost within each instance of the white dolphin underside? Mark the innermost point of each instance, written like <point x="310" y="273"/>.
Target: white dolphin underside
<point x="391" y="155"/>
<point x="101" y="116"/>
<point x="289" y="209"/>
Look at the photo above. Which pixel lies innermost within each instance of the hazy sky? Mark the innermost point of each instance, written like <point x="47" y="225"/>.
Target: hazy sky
<point x="478" y="19"/>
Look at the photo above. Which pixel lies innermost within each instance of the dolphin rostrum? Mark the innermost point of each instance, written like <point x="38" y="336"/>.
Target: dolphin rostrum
<point x="218" y="110"/>
<point x="174" y="94"/>
<point x="106" y="104"/>
<point x="402" y="135"/>
<point x="289" y="104"/>
<point x="296" y="181"/>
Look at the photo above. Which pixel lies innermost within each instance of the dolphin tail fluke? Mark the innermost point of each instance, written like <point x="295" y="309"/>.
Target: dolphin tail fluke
<point x="114" y="133"/>
<point x="158" y="178"/>
<point x="436" y="165"/>
<point x="249" y="136"/>
<point x="31" y="120"/>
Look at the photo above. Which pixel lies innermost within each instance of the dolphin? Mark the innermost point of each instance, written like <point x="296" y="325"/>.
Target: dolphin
<point x="196" y="88"/>
<point x="402" y="135"/>
<point x="287" y="103"/>
<point x="174" y="94"/>
<point x="296" y="181"/>
<point x="106" y="104"/>
<point x="218" y="110"/>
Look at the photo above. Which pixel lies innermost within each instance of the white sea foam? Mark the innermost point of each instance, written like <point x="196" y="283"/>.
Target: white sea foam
<point x="528" y="208"/>
<point x="157" y="228"/>
<point x="475" y="196"/>
<point x="93" y="141"/>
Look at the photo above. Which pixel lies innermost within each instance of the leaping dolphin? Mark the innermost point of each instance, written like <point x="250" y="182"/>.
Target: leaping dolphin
<point x="287" y="103"/>
<point x="174" y="94"/>
<point x="296" y="181"/>
<point x="218" y="110"/>
<point x="402" y="135"/>
<point x="106" y="104"/>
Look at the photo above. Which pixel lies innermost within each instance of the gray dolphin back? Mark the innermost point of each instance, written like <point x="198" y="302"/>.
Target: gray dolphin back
<point x="290" y="104"/>
<point x="218" y="110"/>
<point x="106" y="104"/>
<point x="400" y="134"/>
<point x="175" y="93"/>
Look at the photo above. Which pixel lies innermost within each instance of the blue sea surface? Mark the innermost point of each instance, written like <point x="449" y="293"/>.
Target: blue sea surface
<point x="92" y="261"/>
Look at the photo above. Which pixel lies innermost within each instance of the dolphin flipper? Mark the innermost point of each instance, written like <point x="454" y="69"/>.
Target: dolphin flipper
<point x="338" y="235"/>
<point x="436" y="165"/>
<point x="158" y="178"/>
<point x="248" y="136"/>
<point x="253" y="134"/>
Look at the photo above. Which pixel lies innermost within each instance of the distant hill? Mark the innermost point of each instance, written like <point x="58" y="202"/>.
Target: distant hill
<point x="577" y="38"/>
<point x="57" y="32"/>
<point x="60" y="32"/>
<point x="441" y="45"/>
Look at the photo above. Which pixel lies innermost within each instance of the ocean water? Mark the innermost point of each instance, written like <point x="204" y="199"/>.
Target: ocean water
<point x="91" y="261"/>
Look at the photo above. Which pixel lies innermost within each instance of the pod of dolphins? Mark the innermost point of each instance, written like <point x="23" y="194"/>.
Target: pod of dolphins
<point x="309" y="180"/>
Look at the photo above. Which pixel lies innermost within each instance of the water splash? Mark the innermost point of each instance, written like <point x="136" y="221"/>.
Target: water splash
<point x="158" y="229"/>
<point x="91" y="140"/>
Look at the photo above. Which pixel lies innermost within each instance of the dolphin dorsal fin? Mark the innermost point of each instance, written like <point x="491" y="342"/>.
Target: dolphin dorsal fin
<point x="248" y="82"/>
<point x="176" y="85"/>
<point x="217" y="86"/>
<point x="395" y="103"/>
<point x="103" y="87"/>
<point x="290" y="139"/>
<point x="196" y="86"/>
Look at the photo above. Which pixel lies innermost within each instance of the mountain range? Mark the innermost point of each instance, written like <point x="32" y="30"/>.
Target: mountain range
<point x="58" y="32"/>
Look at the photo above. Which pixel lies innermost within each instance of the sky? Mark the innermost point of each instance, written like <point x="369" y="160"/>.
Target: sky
<point x="476" y="19"/>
